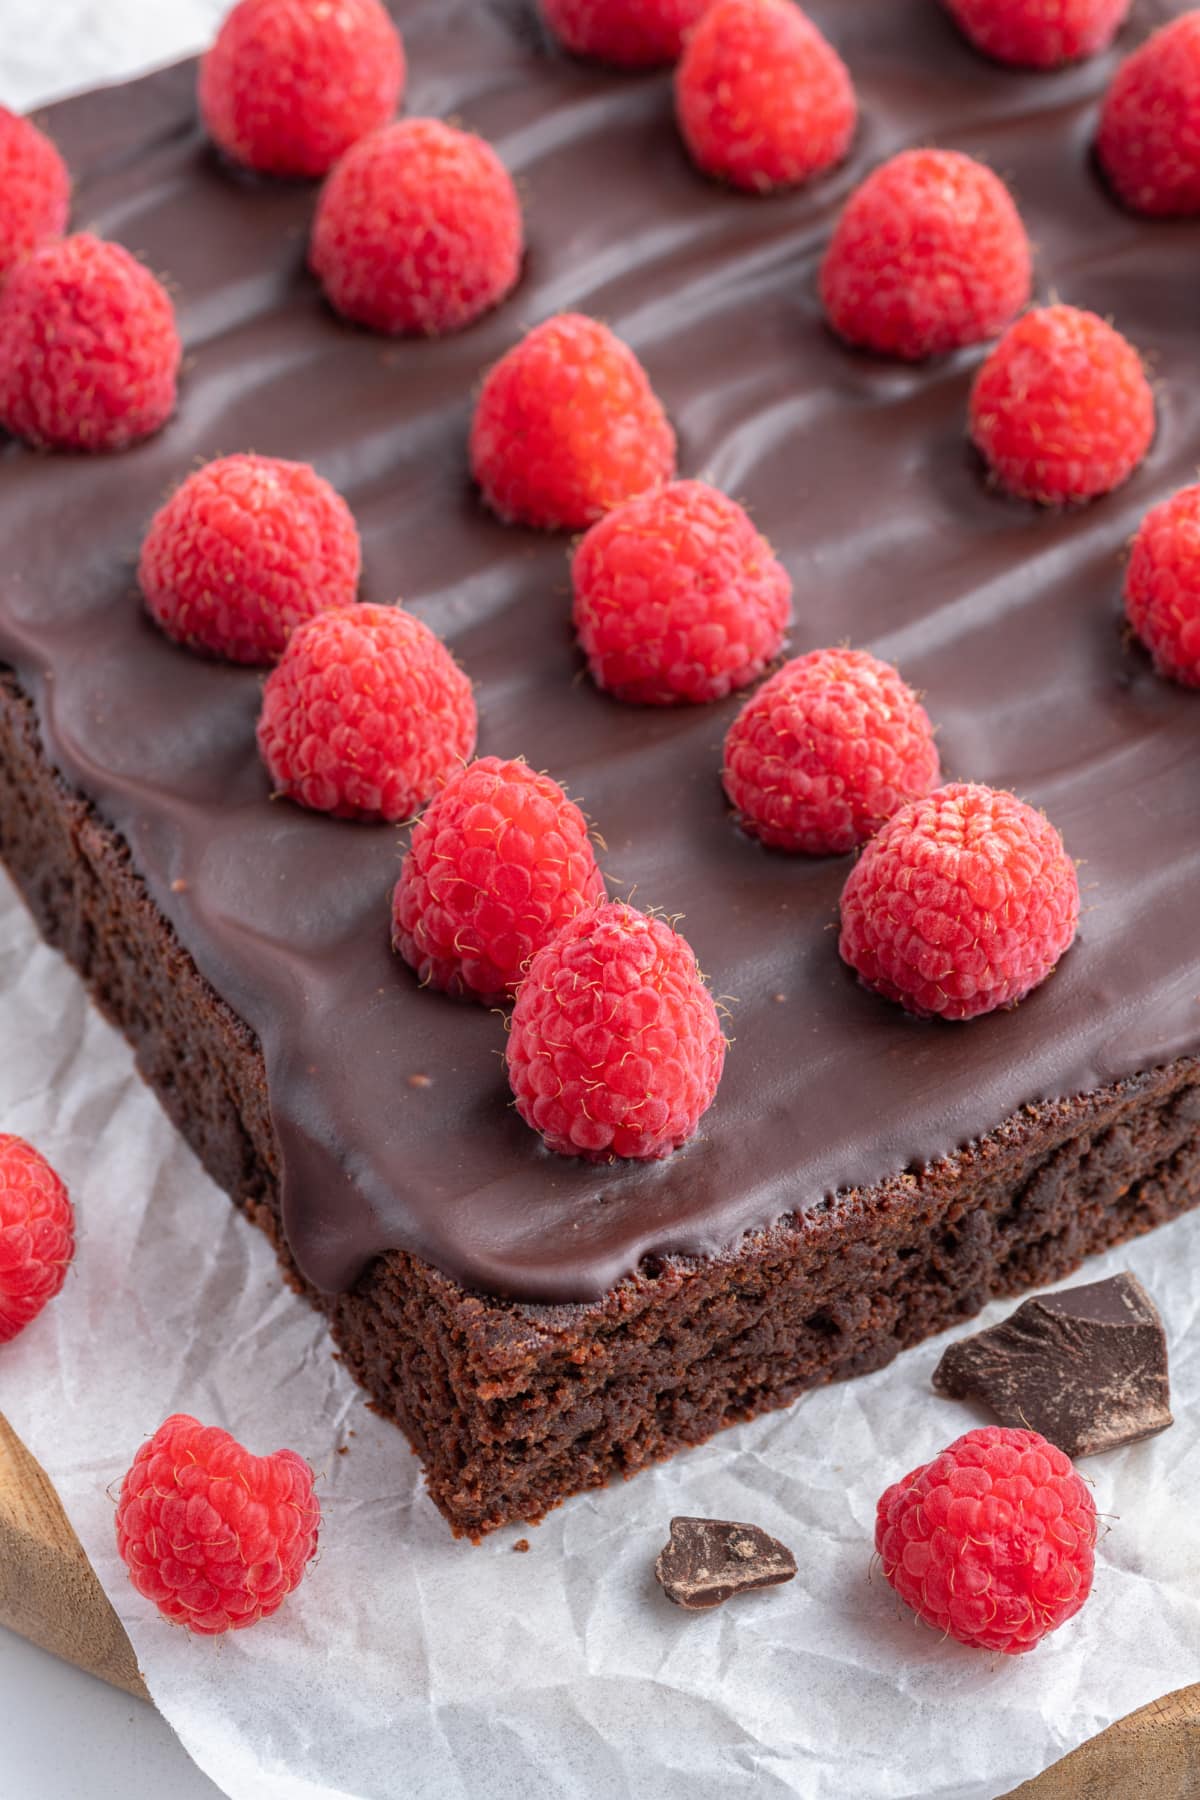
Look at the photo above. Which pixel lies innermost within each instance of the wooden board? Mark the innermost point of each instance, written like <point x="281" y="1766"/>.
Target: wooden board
<point x="49" y="1593"/>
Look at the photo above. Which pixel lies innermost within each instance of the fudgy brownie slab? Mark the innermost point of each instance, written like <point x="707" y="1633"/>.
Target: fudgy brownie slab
<point x="536" y="1324"/>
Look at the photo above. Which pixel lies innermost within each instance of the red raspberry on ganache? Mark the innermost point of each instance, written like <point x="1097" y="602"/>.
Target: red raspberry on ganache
<point x="567" y="426"/>
<point x="499" y="862"/>
<point x="614" y="1047"/>
<point x="826" y="751"/>
<point x="763" y="100"/>
<point x="245" y="550"/>
<point x="35" y="189"/>
<point x="678" y="598"/>
<point x="630" y="34"/>
<point x="418" y="230"/>
<point x="365" y="715"/>
<point x="929" y="254"/>
<point x="215" y="1537"/>
<point x="289" y="85"/>
<point x="993" y="1542"/>
<point x="1149" y="139"/>
<point x="37" y="1234"/>
<point x="1061" y="410"/>
<point x="89" y="352"/>
<point x="1039" y="34"/>
<point x="1162" y="586"/>
<point x="964" y="902"/>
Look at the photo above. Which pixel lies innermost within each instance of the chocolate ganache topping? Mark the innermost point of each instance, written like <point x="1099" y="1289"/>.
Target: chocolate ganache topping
<point x="858" y="470"/>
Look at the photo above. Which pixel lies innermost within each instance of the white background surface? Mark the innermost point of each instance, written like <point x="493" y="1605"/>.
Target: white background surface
<point x="54" y="1721"/>
<point x="456" y="1672"/>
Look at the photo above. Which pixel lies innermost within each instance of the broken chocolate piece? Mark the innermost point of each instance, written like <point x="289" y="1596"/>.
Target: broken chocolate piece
<point x="709" y="1560"/>
<point x="1086" y="1367"/>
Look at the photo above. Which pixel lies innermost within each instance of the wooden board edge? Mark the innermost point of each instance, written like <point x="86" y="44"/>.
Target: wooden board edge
<point x="49" y="1592"/>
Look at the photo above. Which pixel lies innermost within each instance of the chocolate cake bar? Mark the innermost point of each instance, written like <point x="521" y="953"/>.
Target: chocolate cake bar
<point x="535" y="1324"/>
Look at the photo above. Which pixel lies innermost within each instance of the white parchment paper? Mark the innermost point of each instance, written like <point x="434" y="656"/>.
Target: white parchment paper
<point x="410" y="1665"/>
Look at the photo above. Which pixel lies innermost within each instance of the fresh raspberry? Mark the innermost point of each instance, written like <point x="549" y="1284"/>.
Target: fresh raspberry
<point x="615" y="1047"/>
<point x="568" y="426"/>
<point x="964" y="902"/>
<point x="216" y="1537"/>
<point x="631" y="34"/>
<point x="992" y="1542"/>
<point x="826" y="751"/>
<point x="88" y="348"/>
<point x="418" y="230"/>
<point x="37" y="1234"/>
<point x="289" y="85"/>
<point x="35" y="186"/>
<point x="243" y="551"/>
<point x="499" y="862"/>
<point x="1061" y="410"/>
<point x="929" y="254"/>
<point x="365" y="715"/>
<point x="678" y="598"/>
<point x="1039" y="34"/>
<point x="763" y="100"/>
<point x="1162" y="586"/>
<point x="1149" y="140"/>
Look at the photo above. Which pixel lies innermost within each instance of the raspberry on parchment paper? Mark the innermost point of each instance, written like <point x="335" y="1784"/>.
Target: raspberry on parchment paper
<point x="993" y="1541"/>
<point x="37" y="1234"/>
<point x="217" y="1538"/>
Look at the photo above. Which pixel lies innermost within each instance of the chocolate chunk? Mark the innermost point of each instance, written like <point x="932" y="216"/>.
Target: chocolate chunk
<point x="709" y="1560"/>
<point x="1086" y="1367"/>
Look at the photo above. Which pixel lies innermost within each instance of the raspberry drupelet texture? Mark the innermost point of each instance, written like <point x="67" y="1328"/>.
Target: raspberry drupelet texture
<point x="993" y="1542"/>
<point x="615" y="1047"/>
<point x="630" y="34"/>
<point x="245" y="550"/>
<point x="289" y="85"/>
<point x="1149" y="139"/>
<point x="365" y="715"/>
<point x="37" y="1234"/>
<point x="418" y="230"/>
<point x="1162" y="586"/>
<point x="826" y="751"/>
<point x="763" y="100"/>
<point x="35" y="189"/>
<point x="678" y="597"/>
<point x="929" y="254"/>
<point x="1039" y="34"/>
<point x="499" y="862"/>
<point x="1062" y="410"/>
<point x="216" y="1537"/>
<point x="567" y="426"/>
<point x="964" y="902"/>
<point x="89" y="352"/>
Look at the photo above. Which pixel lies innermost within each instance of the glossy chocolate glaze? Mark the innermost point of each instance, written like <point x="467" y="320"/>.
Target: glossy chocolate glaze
<point x="859" y="471"/>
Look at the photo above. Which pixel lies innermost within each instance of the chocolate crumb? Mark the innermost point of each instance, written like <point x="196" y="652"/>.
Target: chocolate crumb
<point x="707" y="1561"/>
<point x="179" y="885"/>
<point x="343" y="1449"/>
<point x="521" y="1546"/>
<point x="1086" y="1367"/>
<point x="420" y="1081"/>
